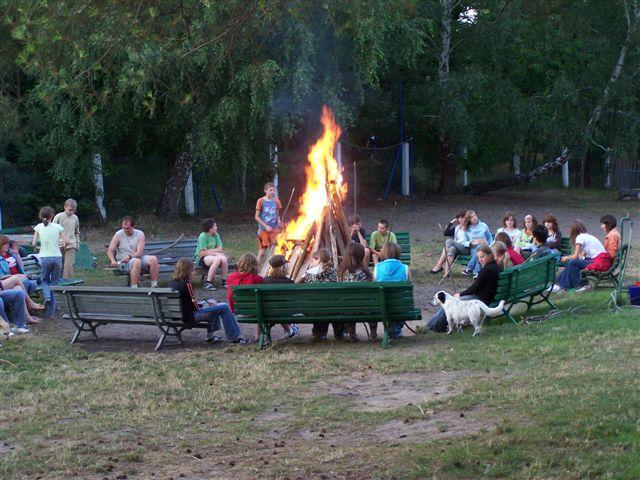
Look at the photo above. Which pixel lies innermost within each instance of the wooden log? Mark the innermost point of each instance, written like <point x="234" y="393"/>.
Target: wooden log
<point x="295" y="253"/>
<point x="265" y="266"/>
<point x="304" y="250"/>
<point x="317" y="238"/>
<point x="343" y="222"/>
<point x="339" y="241"/>
<point x="334" y="247"/>
<point x="299" y="278"/>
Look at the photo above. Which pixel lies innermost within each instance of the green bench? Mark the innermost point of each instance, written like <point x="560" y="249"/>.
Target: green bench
<point x="529" y="282"/>
<point x="90" y="307"/>
<point x="610" y="277"/>
<point x="268" y="305"/>
<point x="405" y="245"/>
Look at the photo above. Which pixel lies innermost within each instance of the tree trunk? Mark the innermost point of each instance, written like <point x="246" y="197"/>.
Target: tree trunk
<point x="447" y="159"/>
<point x="177" y="182"/>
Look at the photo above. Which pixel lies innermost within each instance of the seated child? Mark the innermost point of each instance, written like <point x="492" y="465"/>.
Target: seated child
<point x="247" y="274"/>
<point x="209" y="253"/>
<point x="378" y="238"/>
<point x="586" y="248"/>
<point x="500" y="254"/>
<point x="322" y="271"/>
<point x="524" y="247"/>
<point x="509" y="227"/>
<point x="476" y="233"/>
<point x="554" y="236"/>
<point x="515" y="257"/>
<point x="209" y="310"/>
<point x="452" y="245"/>
<point x="540" y="237"/>
<point x="353" y="269"/>
<point x="277" y="274"/>
<point x="268" y="218"/>
<point x="390" y="269"/>
<point x="604" y="260"/>
<point x="358" y="235"/>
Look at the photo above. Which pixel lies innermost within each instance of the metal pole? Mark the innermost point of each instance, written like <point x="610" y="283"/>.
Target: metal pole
<point x="355" y="188"/>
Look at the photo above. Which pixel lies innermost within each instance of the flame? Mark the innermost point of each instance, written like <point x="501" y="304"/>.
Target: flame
<point x="322" y="170"/>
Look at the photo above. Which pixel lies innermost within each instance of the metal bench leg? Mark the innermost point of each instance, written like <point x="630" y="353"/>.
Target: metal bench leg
<point x="161" y="341"/>
<point x="79" y="328"/>
<point x="507" y="312"/>
<point x="82" y="327"/>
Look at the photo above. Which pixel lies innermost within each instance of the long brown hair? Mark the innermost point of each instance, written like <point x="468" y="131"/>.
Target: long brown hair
<point x="353" y="261"/>
<point x="46" y="214"/>
<point x="466" y="221"/>
<point x="576" y="228"/>
<point x="390" y="250"/>
<point x="504" y="238"/>
<point x="553" y="220"/>
<point x="183" y="270"/>
<point x="248" y="263"/>
<point x="507" y="216"/>
<point x="325" y="258"/>
<point x="534" y="221"/>
<point x="500" y="249"/>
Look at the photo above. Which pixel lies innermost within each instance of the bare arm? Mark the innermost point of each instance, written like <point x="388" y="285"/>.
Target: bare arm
<point x="140" y="247"/>
<point x="576" y="253"/>
<point x="111" y="250"/>
<point x="36" y="235"/>
<point x="261" y="222"/>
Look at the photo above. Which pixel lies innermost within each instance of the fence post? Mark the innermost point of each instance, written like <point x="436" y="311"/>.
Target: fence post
<point x="516" y="164"/>
<point x="607" y="169"/>
<point x="189" y="204"/>
<point x="99" y="187"/>
<point x="565" y="174"/>
<point x="406" y="170"/>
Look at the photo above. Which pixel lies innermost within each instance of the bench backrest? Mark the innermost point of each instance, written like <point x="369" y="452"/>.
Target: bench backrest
<point x="141" y="304"/>
<point x="341" y="301"/>
<point x="404" y="241"/>
<point x="184" y="248"/>
<point x="565" y="246"/>
<point x="527" y="279"/>
<point x="31" y="266"/>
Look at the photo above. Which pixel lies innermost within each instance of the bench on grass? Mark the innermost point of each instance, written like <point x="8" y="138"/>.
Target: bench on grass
<point x="168" y="253"/>
<point x="610" y="277"/>
<point x="530" y="282"/>
<point x="268" y="305"/>
<point x="405" y="245"/>
<point x="33" y="270"/>
<point x="90" y="307"/>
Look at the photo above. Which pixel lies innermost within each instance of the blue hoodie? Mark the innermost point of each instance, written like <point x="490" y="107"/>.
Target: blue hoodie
<point x="391" y="270"/>
<point x="477" y="231"/>
<point x="4" y="265"/>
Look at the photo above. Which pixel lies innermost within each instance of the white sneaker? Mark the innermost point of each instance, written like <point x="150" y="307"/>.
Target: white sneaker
<point x="21" y="330"/>
<point x="556" y="288"/>
<point x="294" y="330"/>
<point x="584" y="289"/>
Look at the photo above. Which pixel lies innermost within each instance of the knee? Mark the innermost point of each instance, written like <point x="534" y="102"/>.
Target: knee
<point x="135" y="264"/>
<point x="152" y="260"/>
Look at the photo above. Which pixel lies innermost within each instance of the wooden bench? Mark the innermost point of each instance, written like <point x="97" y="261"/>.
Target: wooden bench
<point x="90" y="307"/>
<point x="404" y="241"/>
<point x="529" y="282"/>
<point x="268" y="305"/>
<point x="33" y="270"/>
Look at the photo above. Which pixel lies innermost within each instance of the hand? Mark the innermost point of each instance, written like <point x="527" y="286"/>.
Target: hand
<point x="455" y="220"/>
<point x="354" y="228"/>
<point x="114" y="264"/>
<point x="268" y="229"/>
<point x="563" y="259"/>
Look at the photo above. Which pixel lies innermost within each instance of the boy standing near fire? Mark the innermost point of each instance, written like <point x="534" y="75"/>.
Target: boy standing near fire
<point x="268" y="218"/>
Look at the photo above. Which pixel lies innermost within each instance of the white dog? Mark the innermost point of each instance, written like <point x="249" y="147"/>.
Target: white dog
<point x="463" y="312"/>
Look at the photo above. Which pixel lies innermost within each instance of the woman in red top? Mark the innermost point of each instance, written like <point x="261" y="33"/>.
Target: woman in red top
<point x="515" y="257"/>
<point x="247" y="274"/>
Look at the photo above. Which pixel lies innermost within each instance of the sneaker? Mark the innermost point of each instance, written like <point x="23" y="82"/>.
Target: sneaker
<point x="213" y="338"/>
<point x="584" y="288"/>
<point x="21" y="330"/>
<point x="475" y="275"/>
<point x="242" y="341"/>
<point x="466" y="272"/>
<point x="209" y="286"/>
<point x="294" y="330"/>
<point x="556" y="288"/>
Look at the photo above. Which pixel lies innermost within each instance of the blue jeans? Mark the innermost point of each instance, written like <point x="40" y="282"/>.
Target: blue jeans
<point x="473" y="264"/>
<point x="214" y="313"/>
<point x="51" y="268"/>
<point x="396" y="329"/>
<point x="438" y="323"/>
<point x="570" y="276"/>
<point x="15" y="299"/>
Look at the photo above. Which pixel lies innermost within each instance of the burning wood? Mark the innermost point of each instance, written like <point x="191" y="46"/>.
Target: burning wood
<point x="321" y="222"/>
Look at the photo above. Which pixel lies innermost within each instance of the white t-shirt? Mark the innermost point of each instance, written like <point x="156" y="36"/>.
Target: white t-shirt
<point x="49" y="239"/>
<point x="591" y="246"/>
<point x="514" y="234"/>
<point x="459" y="234"/>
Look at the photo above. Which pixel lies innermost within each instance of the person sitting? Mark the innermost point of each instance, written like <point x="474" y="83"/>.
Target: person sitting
<point x="509" y="227"/>
<point x="514" y="257"/>
<point x="322" y="271"/>
<point x="209" y="310"/>
<point x="501" y="255"/>
<point x="586" y="247"/>
<point x="126" y="252"/>
<point x="358" y="235"/>
<point x="612" y="242"/>
<point x="15" y="299"/>
<point x="483" y="288"/>
<point x="353" y="269"/>
<point x="541" y="247"/>
<point x="391" y="269"/>
<point x="209" y="254"/>
<point x="554" y="236"/>
<point x="247" y="274"/>
<point x="278" y="274"/>
<point x="378" y="239"/>
<point x="17" y="249"/>
<point x="524" y="247"/>
<point x="452" y="245"/>
<point x="476" y="233"/>
<point x="11" y="264"/>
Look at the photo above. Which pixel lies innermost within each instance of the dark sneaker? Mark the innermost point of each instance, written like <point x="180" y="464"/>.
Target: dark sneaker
<point x="213" y="338"/>
<point x="209" y="286"/>
<point x="242" y="341"/>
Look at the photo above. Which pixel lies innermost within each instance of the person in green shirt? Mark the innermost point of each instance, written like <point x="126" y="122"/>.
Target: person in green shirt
<point x="378" y="238"/>
<point x="209" y="253"/>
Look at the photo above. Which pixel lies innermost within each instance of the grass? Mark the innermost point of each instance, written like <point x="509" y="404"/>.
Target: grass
<point x="556" y="400"/>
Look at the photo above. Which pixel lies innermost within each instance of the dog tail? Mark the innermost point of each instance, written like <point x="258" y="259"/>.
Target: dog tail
<point x="492" y="312"/>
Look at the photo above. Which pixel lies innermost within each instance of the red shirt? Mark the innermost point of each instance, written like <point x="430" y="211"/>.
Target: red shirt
<point x="516" y="258"/>
<point x="237" y="278"/>
<point x="13" y="264"/>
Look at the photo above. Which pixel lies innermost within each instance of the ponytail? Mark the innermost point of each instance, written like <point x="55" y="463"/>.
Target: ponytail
<point x="46" y="214"/>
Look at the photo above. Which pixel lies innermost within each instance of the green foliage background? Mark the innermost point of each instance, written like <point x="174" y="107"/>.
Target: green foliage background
<point x="138" y="81"/>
